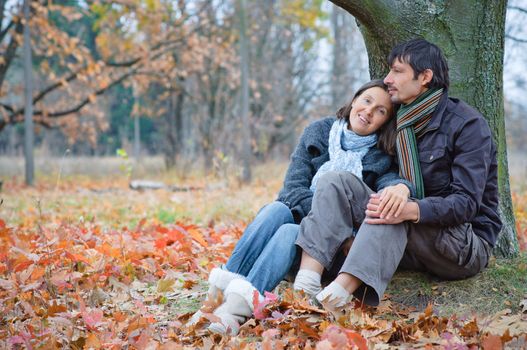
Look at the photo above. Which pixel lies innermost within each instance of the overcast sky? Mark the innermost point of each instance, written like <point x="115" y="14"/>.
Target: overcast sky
<point x="515" y="71"/>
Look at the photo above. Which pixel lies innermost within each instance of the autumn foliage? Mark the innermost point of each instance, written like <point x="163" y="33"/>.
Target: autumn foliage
<point x="79" y="284"/>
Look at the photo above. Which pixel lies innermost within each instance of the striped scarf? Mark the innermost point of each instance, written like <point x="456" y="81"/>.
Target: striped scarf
<point x="412" y="119"/>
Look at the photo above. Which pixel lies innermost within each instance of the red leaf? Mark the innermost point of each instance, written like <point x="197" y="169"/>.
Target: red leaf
<point x="16" y="340"/>
<point x="92" y="318"/>
<point x="357" y="340"/>
<point x="77" y="258"/>
<point x="160" y="243"/>
<point x="257" y="306"/>
<point x="492" y="342"/>
<point x="23" y="265"/>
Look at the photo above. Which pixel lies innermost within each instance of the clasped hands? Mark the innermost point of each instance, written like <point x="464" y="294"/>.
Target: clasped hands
<point x="391" y="206"/>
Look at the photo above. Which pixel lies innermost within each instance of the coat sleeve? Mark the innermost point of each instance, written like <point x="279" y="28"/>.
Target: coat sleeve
<point x="392" y="178"/>
<point x="295" y="192"/>
<point x="473" y="152"/>
<point x="386" y="173"/>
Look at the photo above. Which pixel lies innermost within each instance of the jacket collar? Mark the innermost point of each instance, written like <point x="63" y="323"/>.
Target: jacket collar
<point x="437" y="117"/>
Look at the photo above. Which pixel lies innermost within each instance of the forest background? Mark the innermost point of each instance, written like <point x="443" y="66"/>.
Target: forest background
<point x="162" y="79"/>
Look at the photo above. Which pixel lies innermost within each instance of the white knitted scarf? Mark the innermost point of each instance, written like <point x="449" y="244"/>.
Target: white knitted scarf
<point x="346" y="150"/>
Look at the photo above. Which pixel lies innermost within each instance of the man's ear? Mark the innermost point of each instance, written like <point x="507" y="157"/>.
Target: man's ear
<point x="427" y="76"/>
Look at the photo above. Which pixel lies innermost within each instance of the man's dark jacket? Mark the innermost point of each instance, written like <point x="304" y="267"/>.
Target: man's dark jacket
<point x="460" y="171"/>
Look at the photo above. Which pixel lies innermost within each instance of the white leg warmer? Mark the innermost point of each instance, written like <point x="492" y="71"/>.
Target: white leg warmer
<point x="335" y="294"/>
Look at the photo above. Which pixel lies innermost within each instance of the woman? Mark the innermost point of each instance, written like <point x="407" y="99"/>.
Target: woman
<point x="359" y="141"/>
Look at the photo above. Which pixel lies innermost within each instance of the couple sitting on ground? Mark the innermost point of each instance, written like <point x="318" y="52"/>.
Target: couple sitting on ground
<point x="404" y="177"/>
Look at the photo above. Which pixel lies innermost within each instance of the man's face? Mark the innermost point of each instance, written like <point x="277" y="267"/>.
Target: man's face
<point x="402" y="86"/>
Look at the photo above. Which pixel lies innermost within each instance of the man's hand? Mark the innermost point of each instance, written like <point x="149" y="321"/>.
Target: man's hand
<point x="410" y="211"/>
<point x="393" y="199"/>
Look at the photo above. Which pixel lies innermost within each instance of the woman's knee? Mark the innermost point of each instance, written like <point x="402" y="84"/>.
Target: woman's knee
<point x="275" y="214"/>
<point x="286" y="235"/>
<point x="276" y="209"/>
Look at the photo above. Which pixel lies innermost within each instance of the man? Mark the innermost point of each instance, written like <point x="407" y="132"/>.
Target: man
<point x="445" y="149"/>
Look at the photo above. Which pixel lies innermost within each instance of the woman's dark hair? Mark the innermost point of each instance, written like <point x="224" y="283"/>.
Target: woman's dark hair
<point x="386" y="133"/>
<point x="421" y="55"/>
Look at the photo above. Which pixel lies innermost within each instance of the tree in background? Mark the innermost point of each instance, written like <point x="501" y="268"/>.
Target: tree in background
<point x="28" y="100"/>
<point x="349" y="67"/>
<point x="80" y="52"/>
<point x="285" y="74"/>
<point x="471" y="34"/>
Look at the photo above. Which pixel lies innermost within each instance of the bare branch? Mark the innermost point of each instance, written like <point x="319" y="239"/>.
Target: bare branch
<point x="517" y="8"/>
<point x="513" y="38"/>
<point x="9" y="53"/>
<point x="56" y="85"/>
<point x="44" y="120"/>
<point x="6" y="30"/>
<point x="2" y="9"/>
<point x="87" y="100"/>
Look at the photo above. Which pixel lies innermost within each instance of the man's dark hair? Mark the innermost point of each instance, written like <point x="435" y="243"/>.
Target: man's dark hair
<point x="421" y="55"/>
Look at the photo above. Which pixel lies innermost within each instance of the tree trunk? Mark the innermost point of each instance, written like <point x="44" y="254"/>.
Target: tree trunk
<point x="29" y="130"/>
<point x="340" y="58"/>
<point x="471" y="34"/>
<point x="244" y="96"/>
<point x="169" y="146"/>
<point x="174" y="128"/>
<point x="137" y="139"/>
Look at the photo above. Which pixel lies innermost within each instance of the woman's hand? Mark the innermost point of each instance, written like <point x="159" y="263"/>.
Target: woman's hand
<point x="392" y="201"/>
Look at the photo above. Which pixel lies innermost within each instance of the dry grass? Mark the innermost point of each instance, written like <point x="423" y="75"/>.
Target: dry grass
<point x="503" y="285"/>
<point x="105" y="198"/>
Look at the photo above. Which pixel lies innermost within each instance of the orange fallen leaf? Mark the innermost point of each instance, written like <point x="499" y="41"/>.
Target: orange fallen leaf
<point x="198" y="237"/>
<point x="492" y="342"/>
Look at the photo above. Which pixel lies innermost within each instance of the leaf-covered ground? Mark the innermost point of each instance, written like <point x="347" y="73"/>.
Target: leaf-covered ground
<point x="92" y="264"/>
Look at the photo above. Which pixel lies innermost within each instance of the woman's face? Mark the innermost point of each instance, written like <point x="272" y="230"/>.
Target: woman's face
<point x="369" y="111"/>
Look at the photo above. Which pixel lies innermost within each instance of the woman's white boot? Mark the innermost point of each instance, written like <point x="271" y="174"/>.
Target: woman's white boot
<point x="219" y="279"/>
<point x="238" y="306"/>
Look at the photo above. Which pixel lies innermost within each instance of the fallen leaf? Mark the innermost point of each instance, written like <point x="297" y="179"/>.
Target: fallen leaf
<point x="165" y="285"/>
<point x="492" y="342"/>
<point x="92" y="318"/>
<point x="198" y="237"/>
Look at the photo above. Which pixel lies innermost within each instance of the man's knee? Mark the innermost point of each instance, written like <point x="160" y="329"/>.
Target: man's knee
<point x="451" y="253"/>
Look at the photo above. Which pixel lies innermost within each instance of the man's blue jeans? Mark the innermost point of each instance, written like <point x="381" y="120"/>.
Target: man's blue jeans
<point x="266" y="251"/>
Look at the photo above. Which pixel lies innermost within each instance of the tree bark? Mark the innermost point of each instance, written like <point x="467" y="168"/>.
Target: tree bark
<point x="137" y="139"/>
<point x="173" y="128"/>
<point x="471" y="33"/>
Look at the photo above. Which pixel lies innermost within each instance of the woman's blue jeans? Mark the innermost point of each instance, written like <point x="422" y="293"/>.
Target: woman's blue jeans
<point x="266" y="251"/>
